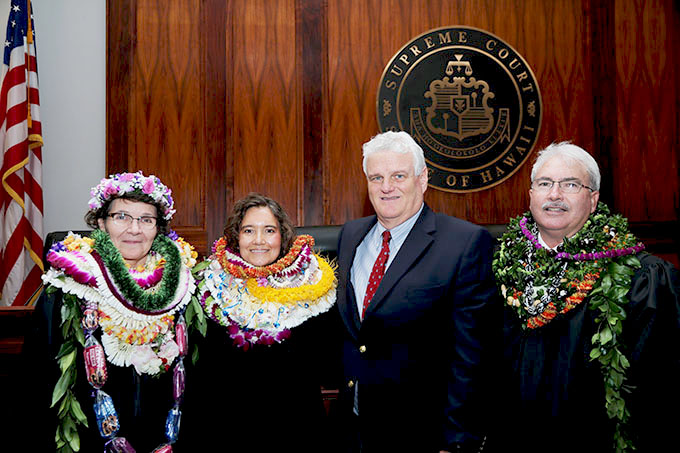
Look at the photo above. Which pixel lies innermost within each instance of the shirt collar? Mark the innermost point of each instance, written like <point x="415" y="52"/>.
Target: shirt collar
<point x="544" y="245"/>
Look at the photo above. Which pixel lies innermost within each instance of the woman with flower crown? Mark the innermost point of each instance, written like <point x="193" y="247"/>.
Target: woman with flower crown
<point x="116" y="301"/>
<point x="264" y="291"/>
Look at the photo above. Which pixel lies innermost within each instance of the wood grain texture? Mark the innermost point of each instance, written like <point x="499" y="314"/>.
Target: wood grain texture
<point x="167" y="128"/>
<point x="218" y="181"/>
<point x="310" y="30"/>
<point x="223" y="97"/>
<point x="604" y="93"/>
<point x="120" y="44"/>
<point x="267" y="138"/>
<point x="646" y="168"/>
<point x="160" y="95"/>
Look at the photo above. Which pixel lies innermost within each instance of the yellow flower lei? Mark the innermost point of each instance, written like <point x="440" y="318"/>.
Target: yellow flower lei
<point x="290" y="296"/>
<point x="74" y="242"/>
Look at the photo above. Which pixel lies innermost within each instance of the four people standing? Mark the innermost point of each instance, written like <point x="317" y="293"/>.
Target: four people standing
<point x="587" y="318"/>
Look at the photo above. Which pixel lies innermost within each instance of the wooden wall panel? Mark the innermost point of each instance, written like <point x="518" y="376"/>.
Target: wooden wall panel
<point x="223" y="97"/>
<point x="311" y="33"/>
<point x="159" y="91"/>
<point x="352" y="76"/>
<point x="266" y="94"/>
<point x="646" y="184"/>
<point x="168" y="128"/>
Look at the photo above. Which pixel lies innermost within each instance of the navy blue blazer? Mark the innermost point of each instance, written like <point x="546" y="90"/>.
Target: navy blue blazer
<point x="421" y="354"/>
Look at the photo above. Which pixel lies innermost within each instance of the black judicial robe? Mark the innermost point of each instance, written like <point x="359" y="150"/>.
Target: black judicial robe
<point x="264" y="399"/>
<point x="142" y="402"/>
<point x="553" y="394"/>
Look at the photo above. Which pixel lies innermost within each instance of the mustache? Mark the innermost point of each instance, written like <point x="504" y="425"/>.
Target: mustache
<point x="555" y="204"/>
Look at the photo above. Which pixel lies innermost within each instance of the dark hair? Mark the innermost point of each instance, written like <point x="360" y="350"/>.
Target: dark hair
<point x="256" y="200"/>
<point x="92" y="216"/>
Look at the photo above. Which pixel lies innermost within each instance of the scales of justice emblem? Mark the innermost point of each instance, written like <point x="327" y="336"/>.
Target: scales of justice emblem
<point x="460" y="103"/>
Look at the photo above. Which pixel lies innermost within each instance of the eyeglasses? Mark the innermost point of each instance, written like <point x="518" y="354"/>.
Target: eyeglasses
<point x="566" y="186"/>
<point x="125" y="220"/>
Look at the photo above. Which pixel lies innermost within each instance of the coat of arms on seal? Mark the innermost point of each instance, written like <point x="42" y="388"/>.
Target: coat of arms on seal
<point x="469" y="99"/>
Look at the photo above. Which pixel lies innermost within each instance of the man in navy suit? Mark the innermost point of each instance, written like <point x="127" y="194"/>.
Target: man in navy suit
<point x="416" y="348"/>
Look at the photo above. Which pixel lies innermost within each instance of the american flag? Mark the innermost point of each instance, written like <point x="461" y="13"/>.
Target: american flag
<point x="21" y="201"/>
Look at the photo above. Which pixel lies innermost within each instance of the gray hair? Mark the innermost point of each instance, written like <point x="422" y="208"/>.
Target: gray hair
<point x="569" y="151"/>
<point x="398" y="142"/>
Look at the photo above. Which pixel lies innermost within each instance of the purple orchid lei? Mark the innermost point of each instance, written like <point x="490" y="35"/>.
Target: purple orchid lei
<point x="150" y="280"/>
<point x="612" y="253"/>
<point x="69" y="266"/>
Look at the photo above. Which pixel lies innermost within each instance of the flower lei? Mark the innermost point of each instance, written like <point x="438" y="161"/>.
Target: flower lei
<point x="597" y="263"/>
<point x="259" y="305"/>
<point x="235" y="265"/>
<point x="130" y="289"/>
<point x="122" y="183"/>
<point x="80" y="259"/>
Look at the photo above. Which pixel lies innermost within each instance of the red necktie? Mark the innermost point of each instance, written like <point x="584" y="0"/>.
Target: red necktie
<point x="378" y="271"/>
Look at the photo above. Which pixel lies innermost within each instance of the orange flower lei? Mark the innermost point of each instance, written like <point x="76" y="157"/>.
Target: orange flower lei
<point x="240" y="269"/>
<point x="583" y="287"/>
<point x="539" y="284"/>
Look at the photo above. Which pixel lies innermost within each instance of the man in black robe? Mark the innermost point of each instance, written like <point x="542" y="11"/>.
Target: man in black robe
<point x="554" y="389"/>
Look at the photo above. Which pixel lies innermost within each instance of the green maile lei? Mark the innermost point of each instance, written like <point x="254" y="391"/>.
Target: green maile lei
<point x="130" y="290"/>
<point x="69" y="410"/>
<point x="194" y="315"/>
<point x="520" y="260"/>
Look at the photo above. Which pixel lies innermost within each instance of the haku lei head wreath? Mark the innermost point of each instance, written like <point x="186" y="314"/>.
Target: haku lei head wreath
<point x="123" y="183"/>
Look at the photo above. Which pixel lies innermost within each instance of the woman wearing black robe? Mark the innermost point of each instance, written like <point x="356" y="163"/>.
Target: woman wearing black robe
<point x="257" y="384"/>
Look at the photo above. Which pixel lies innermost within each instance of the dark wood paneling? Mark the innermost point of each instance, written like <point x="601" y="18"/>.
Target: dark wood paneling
<point x="218" y="181"/>
<point x="223" y="97"/>
<point x="167" y="130"/>
<point x="645" y="170"/>
<point x="604" y="91"/>
<point x="170" y="84"/>
<point x="311" y="35"/>
<point x="120" y="47"/>
<point x="660" y="239"/>
<point x="267" y="136"/>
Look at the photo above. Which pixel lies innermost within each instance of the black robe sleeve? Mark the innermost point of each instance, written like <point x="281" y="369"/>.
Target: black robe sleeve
<point x="653" y="338"/>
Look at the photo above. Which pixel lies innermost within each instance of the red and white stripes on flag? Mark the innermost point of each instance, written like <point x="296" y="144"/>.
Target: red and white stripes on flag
<point x="21" y="201"/>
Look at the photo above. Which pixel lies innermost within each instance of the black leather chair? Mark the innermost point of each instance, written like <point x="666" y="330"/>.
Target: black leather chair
<point x="325" y="238"/>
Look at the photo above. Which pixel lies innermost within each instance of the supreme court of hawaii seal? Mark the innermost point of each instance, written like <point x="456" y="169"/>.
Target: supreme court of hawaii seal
<point x="470" y="101"/>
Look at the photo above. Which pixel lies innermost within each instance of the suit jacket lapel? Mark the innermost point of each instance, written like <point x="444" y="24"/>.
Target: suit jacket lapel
<point x="349" y="310"/>
<point x="417" y="242"/>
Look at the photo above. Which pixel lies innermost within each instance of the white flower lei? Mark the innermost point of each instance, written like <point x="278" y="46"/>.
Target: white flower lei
<point x="227" y="299"/>
<point x="148" y="352"/>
